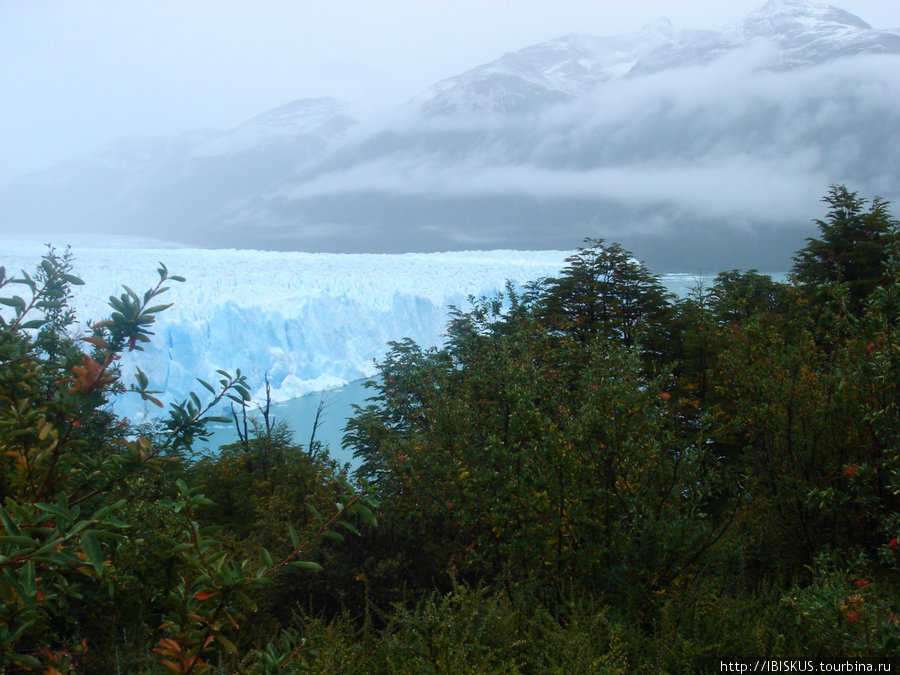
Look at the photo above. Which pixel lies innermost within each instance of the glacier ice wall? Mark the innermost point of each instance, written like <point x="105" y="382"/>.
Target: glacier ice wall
<point x="309" y="321"/>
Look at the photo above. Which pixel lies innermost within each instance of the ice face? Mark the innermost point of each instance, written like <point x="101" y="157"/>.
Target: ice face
<point x="308" y="321"/>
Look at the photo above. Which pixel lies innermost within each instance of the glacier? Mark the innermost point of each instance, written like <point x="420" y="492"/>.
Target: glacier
<point x="308" y="321"/>
<point x="311" y="322"/>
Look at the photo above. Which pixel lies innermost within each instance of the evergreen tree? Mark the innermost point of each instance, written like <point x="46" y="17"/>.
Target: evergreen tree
<point x="605" y="291"/>
<point x="853" y="246"/>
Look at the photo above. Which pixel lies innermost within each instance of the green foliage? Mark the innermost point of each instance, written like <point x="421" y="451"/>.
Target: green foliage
<point x="83" y="496"/>
<point x="474" y="631"/>
<point x="604" y="291"/>
<point x="591" y="438"/>
<point x="534" y="451"/>
<point x="844" y="613"/>
<point x="466" y="630"/>
<point x="588" y="476"/>
<point x="211" y="600"/>
<point x="60" y="453"/>
<point x="738" y="296"/>
<point x="853" y="245"/>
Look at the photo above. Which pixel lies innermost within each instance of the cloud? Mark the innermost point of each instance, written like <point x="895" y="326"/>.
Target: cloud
<point x="733" y="141"/>
<point x="735" y="147"/>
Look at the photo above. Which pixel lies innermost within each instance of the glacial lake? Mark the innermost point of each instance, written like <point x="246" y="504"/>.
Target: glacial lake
<point x="300" y="413"/>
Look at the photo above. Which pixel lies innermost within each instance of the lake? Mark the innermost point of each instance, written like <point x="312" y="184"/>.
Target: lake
<point x="300" y="413"/>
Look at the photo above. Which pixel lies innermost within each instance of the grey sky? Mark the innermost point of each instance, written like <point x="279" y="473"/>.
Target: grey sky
<point x="76" y="74"/>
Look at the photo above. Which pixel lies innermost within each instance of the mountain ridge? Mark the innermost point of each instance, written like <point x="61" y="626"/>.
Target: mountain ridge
<point x="535" y="149"/>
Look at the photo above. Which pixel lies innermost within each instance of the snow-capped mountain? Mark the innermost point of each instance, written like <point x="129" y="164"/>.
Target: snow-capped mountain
<point x="805" y="33"/>
<point x="303" y="130"/>
<point x="544" y="74"/>
<point x="696" y="149"/>
<point x="810" y="32"/>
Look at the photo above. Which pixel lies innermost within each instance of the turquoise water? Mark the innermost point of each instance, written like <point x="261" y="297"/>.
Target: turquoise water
<point x="300" y="413"/>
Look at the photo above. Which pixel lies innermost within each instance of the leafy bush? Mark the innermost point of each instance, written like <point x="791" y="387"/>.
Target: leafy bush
<point x="72" y="533"/>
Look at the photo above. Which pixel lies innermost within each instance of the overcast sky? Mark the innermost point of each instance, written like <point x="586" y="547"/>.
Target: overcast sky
<point x="76" y="74"/>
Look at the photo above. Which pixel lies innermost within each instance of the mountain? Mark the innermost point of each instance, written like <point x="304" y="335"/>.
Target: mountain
<point x="804" y="33"/>
<point x="698" y="149"/>
<point x="809" y="33"/>
<point x="166" y="186"/>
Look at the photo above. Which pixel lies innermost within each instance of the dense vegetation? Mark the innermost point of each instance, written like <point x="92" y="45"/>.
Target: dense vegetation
<point x="589" y="476"/>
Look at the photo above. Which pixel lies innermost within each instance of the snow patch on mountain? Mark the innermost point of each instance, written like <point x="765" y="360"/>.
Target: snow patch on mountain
<point x="810" y="32"/>
<point x="559" y="70"/>
<point x="322" y="121"/>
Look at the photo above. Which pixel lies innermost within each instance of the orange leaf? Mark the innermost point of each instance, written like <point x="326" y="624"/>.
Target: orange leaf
<point x="97" y="342"/>
<point x="168" y="646"/>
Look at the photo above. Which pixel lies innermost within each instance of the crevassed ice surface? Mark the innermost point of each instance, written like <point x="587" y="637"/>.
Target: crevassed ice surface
<point x="309" y="321"/>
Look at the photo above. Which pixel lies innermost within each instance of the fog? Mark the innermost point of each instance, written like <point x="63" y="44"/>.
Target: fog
<point x="723" y="141"/>
<point x="75" y="75"/>
<point x="736" y="152"/>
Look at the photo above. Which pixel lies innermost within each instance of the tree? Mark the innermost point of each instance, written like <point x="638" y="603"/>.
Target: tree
<point x="604" y="290"/>
<point x="853" y="245"/>
<point x="528" y="456"/>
